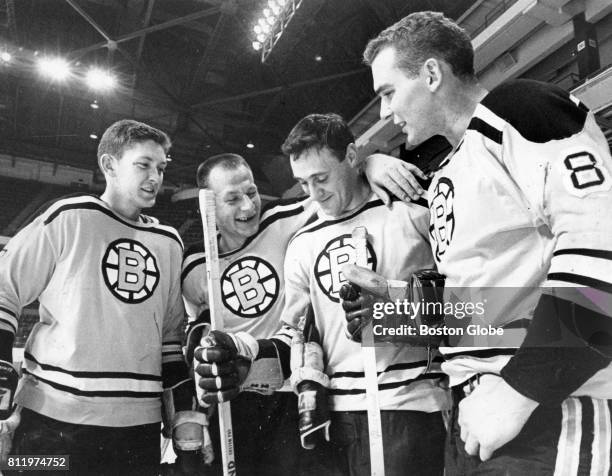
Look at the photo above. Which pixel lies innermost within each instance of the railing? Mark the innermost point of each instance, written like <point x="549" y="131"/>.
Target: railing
<point x="493" y="15"/>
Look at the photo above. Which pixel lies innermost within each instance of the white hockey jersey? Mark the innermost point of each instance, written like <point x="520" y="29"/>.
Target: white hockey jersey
<point x="397" y="246"/>
<point x="110" y="312"/>
<point x="252" y="276"/>
<point x="522" y="202"/>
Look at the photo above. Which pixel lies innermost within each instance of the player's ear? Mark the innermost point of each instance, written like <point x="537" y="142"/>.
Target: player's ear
<point x="432" y="73"/>
<point x="107" y="164"/>
<point x="351" y="155"/>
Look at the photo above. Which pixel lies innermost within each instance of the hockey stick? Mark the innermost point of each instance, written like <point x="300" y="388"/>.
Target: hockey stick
<point x="209" y="224"/>
<point x="368" y="354"/>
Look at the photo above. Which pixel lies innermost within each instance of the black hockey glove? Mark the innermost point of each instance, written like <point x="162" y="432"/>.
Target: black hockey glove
<point x="357" y="308"/>
<point x="220" y="368"/>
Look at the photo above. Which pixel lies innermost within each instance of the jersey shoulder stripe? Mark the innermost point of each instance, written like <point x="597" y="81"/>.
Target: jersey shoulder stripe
<point x="42" y="209"/>
<point x="486" y="129"/>
<point x="283" y="203"/>
<point x="278" y="210"/>
<point x="316" y="223"/>
<point x="539" y="112"/>
<point x="322" y="223"/>
<point x="89" y="202"/>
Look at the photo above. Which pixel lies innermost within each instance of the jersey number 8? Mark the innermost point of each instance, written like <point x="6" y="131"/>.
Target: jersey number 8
<point x="585" y="172"/>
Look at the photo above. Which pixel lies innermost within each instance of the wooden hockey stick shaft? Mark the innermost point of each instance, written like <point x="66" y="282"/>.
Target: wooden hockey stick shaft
<point x="368" y="353"/>
<point x="209" y="224"/>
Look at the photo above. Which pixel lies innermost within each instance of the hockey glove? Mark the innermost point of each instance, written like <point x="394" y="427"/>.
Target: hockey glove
<point x="366" y="289"/>
<point x="310" y="384"/>
<point x="227" y="364"/>
<point x="357" y="310"/>
<point x="9" y="417"/>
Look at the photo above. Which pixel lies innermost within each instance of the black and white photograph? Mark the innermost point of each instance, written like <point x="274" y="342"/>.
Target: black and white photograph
<point x="306" y="237"/>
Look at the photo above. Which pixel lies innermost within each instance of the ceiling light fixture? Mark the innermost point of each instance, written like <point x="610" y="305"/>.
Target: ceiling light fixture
<point x="272" y="24"/>
<point x="99" y="79"/>
<point x="56" y="69"/>
<point x="250" y="145"/>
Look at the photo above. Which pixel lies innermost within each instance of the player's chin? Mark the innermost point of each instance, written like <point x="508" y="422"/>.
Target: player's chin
<point x="147" y="200"/>
<point x="330" y="206"/>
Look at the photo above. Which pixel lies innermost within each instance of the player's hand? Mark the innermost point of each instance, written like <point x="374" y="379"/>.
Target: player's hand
<point x="357" y="310"/>
<point x="365" y="286"/>
<point x="388" y="174"/>
<point x="11" y="420"/>
<point x="219" y="369"/>
<point x="492" y="415"/>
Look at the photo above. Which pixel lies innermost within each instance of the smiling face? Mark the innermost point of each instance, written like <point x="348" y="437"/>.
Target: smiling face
<point x="333" y="184"/>
<point x="237" y="204"/>
<point x="408" y="99"/>
<point x="134" y="178"/>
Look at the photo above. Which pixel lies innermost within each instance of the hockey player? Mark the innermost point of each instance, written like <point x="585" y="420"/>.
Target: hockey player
<point x="522" y="201"/>
<point x="324" y="160"/>
<point x="252" y="248"/>
<point x="106" y="355"/>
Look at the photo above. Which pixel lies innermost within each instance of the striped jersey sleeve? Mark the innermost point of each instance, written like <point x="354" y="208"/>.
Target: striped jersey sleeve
<point x="26" y="266"/>
<point x="554" y="149"/>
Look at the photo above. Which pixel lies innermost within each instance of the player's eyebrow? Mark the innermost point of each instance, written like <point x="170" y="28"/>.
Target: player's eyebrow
<point x="378" y="91"/>
<point x="316" y="174"/>
<point x="150" y="159"/>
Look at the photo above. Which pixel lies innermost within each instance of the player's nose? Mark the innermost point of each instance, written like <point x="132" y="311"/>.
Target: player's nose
<point x="247" y="203"/>
<point x="385" y="110"/>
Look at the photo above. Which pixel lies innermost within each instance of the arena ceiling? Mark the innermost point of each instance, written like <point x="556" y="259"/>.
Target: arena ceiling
<point x="188" y="67"/>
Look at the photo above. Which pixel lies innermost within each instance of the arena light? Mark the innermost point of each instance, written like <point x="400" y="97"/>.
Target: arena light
<point x="56" y="69"/>
<point x="271" y="25"/>
<point x="94" y="105"/>
<point x="99" y="79"/>
<point x="6" y="57"/>
<point x="250" y="145"/>
<point x="93" y="136"/>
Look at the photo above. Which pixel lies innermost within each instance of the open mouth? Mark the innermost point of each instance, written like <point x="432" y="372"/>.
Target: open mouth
<point x="246" y="219"/>
<point x="150" y="190"/>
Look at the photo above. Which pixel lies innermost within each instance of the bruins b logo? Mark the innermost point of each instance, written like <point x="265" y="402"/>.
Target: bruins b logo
<point x="249" y="287"/>
<point x="337" y="253"/>
<point x="442" y="216"/>
<point x="130" y="271"/>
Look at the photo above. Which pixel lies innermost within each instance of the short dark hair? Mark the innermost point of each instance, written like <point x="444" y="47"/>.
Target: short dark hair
<point x="424" y="35"/>
<point x="122" y="134"/>
<point x="227" y="161"/>
<point x="318" y="131"/>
